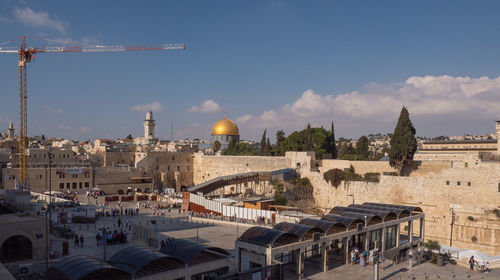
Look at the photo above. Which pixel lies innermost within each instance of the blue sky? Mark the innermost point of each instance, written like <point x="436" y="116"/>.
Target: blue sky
<point x="268" y="64"/>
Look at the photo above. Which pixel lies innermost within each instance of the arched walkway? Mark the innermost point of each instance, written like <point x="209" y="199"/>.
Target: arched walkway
<point x="16" y="248"/>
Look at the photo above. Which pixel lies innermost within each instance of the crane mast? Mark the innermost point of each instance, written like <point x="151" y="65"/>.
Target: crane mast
<point x="25" y="55"/>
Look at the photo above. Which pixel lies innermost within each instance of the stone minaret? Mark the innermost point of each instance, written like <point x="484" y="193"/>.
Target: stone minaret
<point x="149" y="126"/>
<point x="11" y="131"/>
<point x="498" y="136"/>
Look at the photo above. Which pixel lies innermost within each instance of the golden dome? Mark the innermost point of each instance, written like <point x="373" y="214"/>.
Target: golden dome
<point x="225" y="127"/>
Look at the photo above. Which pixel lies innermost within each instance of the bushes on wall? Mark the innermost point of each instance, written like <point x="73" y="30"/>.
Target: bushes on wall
<point x="335" y="176"/>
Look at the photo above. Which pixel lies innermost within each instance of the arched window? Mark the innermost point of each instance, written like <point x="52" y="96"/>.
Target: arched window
<point x="16" y="248"/>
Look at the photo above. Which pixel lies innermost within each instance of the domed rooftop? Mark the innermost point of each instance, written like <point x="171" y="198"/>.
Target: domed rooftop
<point x="225" y="126"/>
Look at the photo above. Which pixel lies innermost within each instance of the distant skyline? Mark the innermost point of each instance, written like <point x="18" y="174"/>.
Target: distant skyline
<point x="267" y="64"/>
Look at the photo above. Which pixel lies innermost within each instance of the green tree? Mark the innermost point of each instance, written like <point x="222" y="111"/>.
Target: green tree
<point x="280" y="137"/>
<point x="268" y="148"/>
<point x="362" y="148"/>
<point x="309" y="142"/>
<point x="263" y="143"/>
<point x="216" y="146"/>
<point x="332" y="145"/>
<point x="403" y="142"/>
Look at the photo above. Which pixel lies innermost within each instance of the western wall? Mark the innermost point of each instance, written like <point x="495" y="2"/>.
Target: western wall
<point x="466" y="185"/>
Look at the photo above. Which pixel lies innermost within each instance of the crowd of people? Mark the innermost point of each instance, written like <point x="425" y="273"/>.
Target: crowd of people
<point x="111" y="237"/>
<point x="364" y="257"/>
<point x="480" y="266"/>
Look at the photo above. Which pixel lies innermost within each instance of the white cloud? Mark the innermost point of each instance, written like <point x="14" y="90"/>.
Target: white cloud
<point x="451" y="101"/>
<point x="39" y="19"/>
<point x="155" y="107"/>
<point x="85" y="129"/>
<point x="208" y="106"/>
<point x="64" y="127"/>
<point x="243" y="118"/>
<point x="53" y="110"/>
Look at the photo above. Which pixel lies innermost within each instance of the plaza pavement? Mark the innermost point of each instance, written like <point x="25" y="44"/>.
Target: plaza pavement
<point x="223" y="235"/>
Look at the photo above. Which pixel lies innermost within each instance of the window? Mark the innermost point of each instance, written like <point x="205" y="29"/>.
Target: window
<point x="173" y="158"/>
<point x="178" y="168"/>
<point x="468" y="184"/>
<point x="458" y="183"/>
<point x="168" y="168"/>
<point x="68" y="185"/>
<point x="466" y="164"/>
<point x="61" y="185"/>
<point x="74" y="185"/>
<point x="86" y="185"/>
<point x="447" y="183"/>
<point x="498" y="187"/>
<point x="80" y="185"/>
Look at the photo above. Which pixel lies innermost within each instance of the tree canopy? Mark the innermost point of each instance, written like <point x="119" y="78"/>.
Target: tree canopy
<point x="403" y="142"/>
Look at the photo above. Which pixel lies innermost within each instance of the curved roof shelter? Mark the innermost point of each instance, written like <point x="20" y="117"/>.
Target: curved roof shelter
<point x="191" y="252"/>
<point x="304" y="232"/>
<point x="401" y="213"/>
<point x="412" y="209"/>
<point x="384" y="214"/>
<point x="328" y="227"/>
<point x="268" y="237"/>
<point x="349" y="222"/>
<point x="85" y="268"/>
<point x="372" y="219"/>
<point x="141" y="261"/>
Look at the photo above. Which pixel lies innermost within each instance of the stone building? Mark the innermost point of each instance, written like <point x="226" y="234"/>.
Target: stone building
<point x="468" y="146"/>
<point x="22" y="237"/>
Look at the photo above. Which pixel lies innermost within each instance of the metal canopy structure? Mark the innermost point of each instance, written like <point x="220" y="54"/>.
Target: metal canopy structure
<point x="191" y="252"/>
<point x="328" y="227"/>
<point x="384" y="214"/>
<point x="83" y="268"/>
<point x="401" y="213"/>
<point x="141" y="261"/>
<point x="413" y="209"/>
<point x="349" y="222"/>
<point x="304" y="232"/>
<point x="268" y="237"/>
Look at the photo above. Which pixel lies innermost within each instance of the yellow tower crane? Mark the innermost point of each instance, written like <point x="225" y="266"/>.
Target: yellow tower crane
<point x="26" y="54"/>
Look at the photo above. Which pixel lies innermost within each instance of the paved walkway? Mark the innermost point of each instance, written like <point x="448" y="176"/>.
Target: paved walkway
<point x="401" y="271"/>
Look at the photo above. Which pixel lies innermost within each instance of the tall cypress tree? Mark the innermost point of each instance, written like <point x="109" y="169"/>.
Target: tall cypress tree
<point x="263" y="143"/>
<point x="333" y="146"/>
<point x="403" y="142"/>
<point x="309" y="143"/>
<point x="280" y="137"/>
<point x="268" y="148"/>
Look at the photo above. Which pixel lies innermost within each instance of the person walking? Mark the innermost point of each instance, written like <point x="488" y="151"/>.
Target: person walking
<point x="97" y="238"/>
<point x="353" y="256"/>
<point x="471" y="263"/>
<point x="76" y="241"/>
<point x="81" y="240"/>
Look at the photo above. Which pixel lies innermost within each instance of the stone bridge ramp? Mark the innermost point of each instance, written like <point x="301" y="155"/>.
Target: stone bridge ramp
<point x="219" y="182"/>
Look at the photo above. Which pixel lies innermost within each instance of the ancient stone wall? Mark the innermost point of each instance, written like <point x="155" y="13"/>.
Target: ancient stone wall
<point x="210" y="167"/>
<point x="174" y="169"/>
<point x="474" y="189"/>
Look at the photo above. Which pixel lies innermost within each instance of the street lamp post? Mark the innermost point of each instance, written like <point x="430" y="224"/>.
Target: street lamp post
<point x="352" y="197"/>
<point x="103" y="229"/>
<point x="452" y="223"/>
<point x="48" y="216"/>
